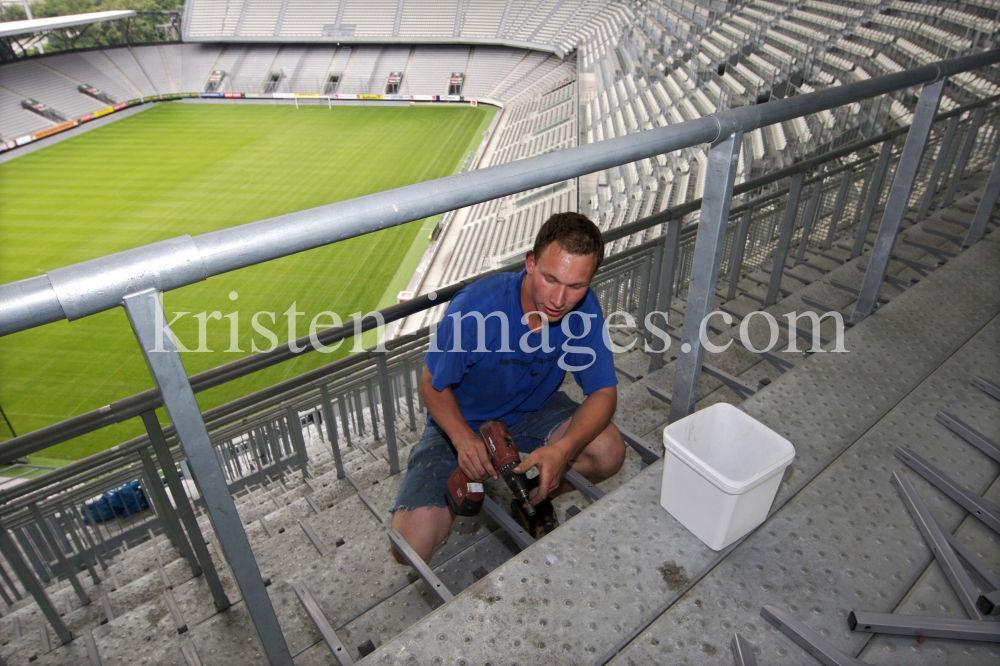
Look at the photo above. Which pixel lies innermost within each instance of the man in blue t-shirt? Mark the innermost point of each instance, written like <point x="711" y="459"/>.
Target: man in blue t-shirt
<point x="501" y="352"/>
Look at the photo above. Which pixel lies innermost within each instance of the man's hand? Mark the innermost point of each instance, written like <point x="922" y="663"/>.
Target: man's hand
<point x="473" y="459"/>
<point x="550" y="460"/>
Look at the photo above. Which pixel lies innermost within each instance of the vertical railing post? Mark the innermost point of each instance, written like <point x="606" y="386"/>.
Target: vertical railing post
<point x="298" y="440"/>
<point x="344" y="417"/>
<point x="388" y="412"/>
<point x="32" y="585"/>
<point x="644" y="280"/>
<point x="64" y="525"/>
<point x="784" y="239"/>
<point x="808" y="219"/>
<point x="50" y="540"/>
<point x="372" y="409"/>
<point x="739" y="248"/>
<point x="408" y="387"/>
<point x="899" y="196"/>
<point x="145" y="313"/>
<point x="654" y="281"/>
<point x="10" y="583"/>
<point x="34" y="556"/>
<point x="665" y="290"/>
<point x="873" y="194"/>
<point x="986" y="204"/>
<point x="963" y="157"/>
<point x="939" y="162"/>
<point x="331" y="430"/>
<point x="184" y="509"/>
<point x="838" y="209"/>
<point x="165" y="510"/>
<point x="722" y="160"/>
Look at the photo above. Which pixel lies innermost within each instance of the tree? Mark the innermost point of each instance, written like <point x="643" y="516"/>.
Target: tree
<point x="140" y="29"/>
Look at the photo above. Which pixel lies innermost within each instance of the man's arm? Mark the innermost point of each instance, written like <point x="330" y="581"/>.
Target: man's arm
<point x="589" y="420"/>
<point x="472" y="456"/>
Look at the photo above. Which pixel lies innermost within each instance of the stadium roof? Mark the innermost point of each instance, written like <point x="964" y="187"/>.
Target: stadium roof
<point x="10" y="28"/>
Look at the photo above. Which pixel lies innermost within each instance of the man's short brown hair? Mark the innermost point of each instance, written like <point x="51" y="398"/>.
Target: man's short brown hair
<point x="575" y="234"/>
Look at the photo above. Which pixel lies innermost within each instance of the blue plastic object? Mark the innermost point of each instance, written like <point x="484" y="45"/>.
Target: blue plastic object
<point x="124" y="500"/>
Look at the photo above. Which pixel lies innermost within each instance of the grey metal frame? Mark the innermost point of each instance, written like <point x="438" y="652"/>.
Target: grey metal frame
<point x="145" y="313"/>
<point x="722" y="161"/>
<point x="810" y="641"/>
<point x="899" y="196"/>
<point x="983" y="509"/>
<point x="920" y="625"/>
<point x="743" y="651"/>
<point x="936" y="541"/>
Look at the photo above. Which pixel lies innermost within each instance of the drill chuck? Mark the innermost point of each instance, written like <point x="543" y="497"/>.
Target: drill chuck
<point x="504" y="456"/>
<point x="518" y="484"/>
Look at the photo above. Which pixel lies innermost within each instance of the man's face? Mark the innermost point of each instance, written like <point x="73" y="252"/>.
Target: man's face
<point x="556" y="281"/>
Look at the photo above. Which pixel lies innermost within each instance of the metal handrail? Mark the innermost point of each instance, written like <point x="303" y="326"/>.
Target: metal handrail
<point x="127" y="408"/>
<point x="93" y="286"/>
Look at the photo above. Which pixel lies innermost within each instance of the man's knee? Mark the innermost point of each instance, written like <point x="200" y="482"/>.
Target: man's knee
<point x="607" y="452"/>
<point x="423" y="528"/>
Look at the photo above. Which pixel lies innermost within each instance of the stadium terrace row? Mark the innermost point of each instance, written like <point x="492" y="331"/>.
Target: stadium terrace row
<point x="550" y="25"/>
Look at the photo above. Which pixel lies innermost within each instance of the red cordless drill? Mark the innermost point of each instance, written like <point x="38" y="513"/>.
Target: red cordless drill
<point x="465" y="497"/>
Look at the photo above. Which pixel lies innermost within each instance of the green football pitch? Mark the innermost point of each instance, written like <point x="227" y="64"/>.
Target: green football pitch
<point x="192" y="168"/>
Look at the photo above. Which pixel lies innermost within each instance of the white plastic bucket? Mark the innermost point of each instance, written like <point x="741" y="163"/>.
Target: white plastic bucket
<point x="721" y="471"/>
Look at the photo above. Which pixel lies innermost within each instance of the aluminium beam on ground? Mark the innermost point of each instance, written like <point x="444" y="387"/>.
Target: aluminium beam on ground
<point x="899" y="197"/>
<point x="145" y="313"/>
<point x="589" y="490"/>
<point x="987" y="203"/>
<point x="503" y="519"/>
<point x="363" y="496"/>
<point x="721" y="173"/>
<point x="743" y="651"/>
<point x="969" y="434"/>
<point x="989" y="603"/>
<point x="810" y="641"/>
<point x="924" y="626"/>
<point x="936" y="541"/>
<point x="645" y="451"/>
<point x="941" y="254"/>
<point x="971" y="559"/>
<point x="316" y="614"/>
<point x="983" y="509"/>
<point x="417" y="562"/>
<point x="991" y="389"/>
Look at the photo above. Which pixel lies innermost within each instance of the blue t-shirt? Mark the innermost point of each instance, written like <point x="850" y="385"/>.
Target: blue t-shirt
<point x="494" y="380"/>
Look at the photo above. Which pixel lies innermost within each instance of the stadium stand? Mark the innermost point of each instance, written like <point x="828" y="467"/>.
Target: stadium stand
<point x="595" y="71"/>
<point x="550" y="25"/>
